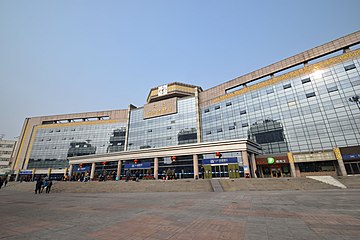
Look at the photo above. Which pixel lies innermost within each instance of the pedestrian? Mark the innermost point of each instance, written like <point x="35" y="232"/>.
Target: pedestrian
<point x="127" y="175"/>
<point x="5" y="182"/>
<point x="48" y="188"/>
<point x="137" y="176"/>
<point x="202" y="172"/>
<point x="1" y="182"/>
<point x="45" y="184"/>
<point x="38" y="185"/>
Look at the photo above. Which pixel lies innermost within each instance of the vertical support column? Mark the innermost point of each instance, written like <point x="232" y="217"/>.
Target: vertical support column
<point x="65" y="172"/>
<point x="245" y="163"/>
<point x="340" y="161"/>
<point x="118" y="172"/>
<point x="297" y="170"/>
<point x="92" y="172"/>
<point x="196" y="166"/>
<point x="17" y="175"/>
<point x="128" y="127"/>
<point x="156" y="168"/>
<point x="292" y="164"/>
<point x="70" y="170"/>
<point x="253" y="164"/>
<point x="33" y="174"/>
<point x="198" y="116"/>
<point x="49" y="173"/>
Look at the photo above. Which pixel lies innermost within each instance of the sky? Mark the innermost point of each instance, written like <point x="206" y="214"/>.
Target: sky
<point x="73" y="56"/>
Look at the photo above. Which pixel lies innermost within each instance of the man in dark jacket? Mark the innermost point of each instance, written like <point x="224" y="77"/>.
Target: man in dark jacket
<point x="38" y="185"/>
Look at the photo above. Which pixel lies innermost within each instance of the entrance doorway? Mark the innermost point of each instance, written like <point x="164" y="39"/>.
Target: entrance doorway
<point x="219" y="171"/>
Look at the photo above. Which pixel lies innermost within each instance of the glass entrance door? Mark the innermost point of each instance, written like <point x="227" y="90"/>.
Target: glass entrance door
<point x="219" y="171"/>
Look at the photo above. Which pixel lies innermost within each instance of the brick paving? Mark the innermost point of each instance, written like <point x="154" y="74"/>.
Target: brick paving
<point x="315" y="214"/>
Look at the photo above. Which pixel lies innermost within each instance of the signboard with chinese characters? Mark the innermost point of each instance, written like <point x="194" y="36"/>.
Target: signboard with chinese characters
<point x="138" y="165"/>
<point x="82" y="169"/>
<point x="211" y="161"/>
<point x="162" y="90"/>
<point x="272" y="160"/>
<point x="161" y="108"/>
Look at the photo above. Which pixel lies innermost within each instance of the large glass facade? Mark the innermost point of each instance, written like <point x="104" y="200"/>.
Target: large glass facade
<point x="307" y="113"/>
<point x="169" y="130"/>
<point x="53" y="144"/>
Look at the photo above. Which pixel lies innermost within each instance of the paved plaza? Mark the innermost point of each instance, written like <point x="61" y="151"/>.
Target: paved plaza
<point x="320" y="214"/>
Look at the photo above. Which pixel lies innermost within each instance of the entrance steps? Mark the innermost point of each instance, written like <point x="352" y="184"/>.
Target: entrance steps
<point x="190" y="185"/>
<point x="328" y="180"/>
<point x="216" y="185"/>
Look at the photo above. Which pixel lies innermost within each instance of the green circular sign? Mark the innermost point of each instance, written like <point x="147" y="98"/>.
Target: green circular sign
<point x="270" y="160"/>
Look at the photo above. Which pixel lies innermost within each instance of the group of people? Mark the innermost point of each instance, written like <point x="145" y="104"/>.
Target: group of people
<point x="43" y="184"/>
<point x="128" y="176"/>
<point x="3" y="181"/>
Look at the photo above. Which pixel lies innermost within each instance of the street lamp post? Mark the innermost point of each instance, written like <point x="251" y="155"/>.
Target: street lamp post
<point x="355" y="99"/>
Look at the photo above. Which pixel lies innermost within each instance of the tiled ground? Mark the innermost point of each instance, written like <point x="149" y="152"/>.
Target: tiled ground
<point x="322" y="214"/>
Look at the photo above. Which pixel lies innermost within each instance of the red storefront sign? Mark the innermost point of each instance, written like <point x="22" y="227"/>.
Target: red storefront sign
<point x="277" y="160"/>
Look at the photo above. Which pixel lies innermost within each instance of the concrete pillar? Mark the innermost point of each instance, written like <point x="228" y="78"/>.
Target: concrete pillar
<point x="292" y="164"/>
<point x="92" y="172"/>
<point x="253" y="164"/>
<point x="245" y="163"/>
<point x="17" y="175"/>
<point x="340" y="161"/>
<point x="198" y="116"/>
<point x="118" y="172"/>
<point x="70" y="170"/>
<point x="156" y="168"/>
<point x="297" y="170"/>
<point x="49" y="172"/>
<point x="33" y="174"/>
<point x="196" y="166"/>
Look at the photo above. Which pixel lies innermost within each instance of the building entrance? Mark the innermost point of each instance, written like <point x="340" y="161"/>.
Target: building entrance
<point x="219" y="171"/>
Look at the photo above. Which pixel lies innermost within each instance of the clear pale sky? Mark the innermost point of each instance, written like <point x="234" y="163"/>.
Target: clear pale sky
<point x="73" y="56"/>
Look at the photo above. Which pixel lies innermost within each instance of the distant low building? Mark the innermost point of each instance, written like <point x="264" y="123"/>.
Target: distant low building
<point x="6" y="152"/>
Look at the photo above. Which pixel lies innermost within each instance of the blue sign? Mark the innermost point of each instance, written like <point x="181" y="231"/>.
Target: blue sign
<point x="26" y="172"/>
<point x="219" y="160"/>
<point x="82" y="169"/>
<point x="350" y="157"/>
<point x="138" y="165"/>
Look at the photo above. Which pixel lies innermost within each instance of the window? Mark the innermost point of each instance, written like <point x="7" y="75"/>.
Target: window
<point x="173" y="121"/>
<point x="217" y="107"/>
<point x="286" y="86"/>
<point x="206" y="110"/>
<point x="242" y="112"/>
<point x="349" y="67"/>
<point x="270" y="90"/>
<point x="231" y="127"/>
<point x="332" y="89"/>
<point x="355" y="83"/>
<point x="309" y="95"/>
<point x="228" y="104"/>
<point x="244" y="124"/>
<point x="306" y="80"/>
<point x="208" y="132"/>
<point x="149" y="130"/>
<point x="291" y="103"/>
<point x="219" y="130"/>
<point x="168" y="127"/>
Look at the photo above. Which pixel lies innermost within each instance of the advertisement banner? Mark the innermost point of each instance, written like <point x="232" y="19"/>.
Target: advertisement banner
<point x="210" y="161"/>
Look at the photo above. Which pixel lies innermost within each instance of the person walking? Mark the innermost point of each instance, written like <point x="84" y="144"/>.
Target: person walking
<point x="38" y="185"/>
<point x="48" y="188"/>
<point x="1" y="182"/>
<point x="5" y="182"/>
<point x="137" y="175"/>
